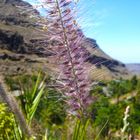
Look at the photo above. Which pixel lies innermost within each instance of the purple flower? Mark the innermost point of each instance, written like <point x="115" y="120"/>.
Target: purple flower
<point x="69" y="52"/>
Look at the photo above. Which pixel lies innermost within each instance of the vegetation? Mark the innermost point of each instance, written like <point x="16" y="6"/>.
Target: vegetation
<point x="7" y="123"/>
<point x="50" y="120"/>
<point x="67" y="108"/>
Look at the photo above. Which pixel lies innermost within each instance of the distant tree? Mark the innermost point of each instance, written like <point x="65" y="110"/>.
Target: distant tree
<point x="138" y="87"/>
<point x="106" y="112"/>
<point x="134" y="82"/>
<point x="134" y="118"/>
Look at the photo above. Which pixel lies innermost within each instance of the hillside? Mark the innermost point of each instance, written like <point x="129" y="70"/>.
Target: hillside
<point x="134" y="68"/>
<point x="22" y="49"/>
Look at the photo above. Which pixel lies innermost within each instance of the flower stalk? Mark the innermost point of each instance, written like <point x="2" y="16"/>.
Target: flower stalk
<point x="70" y="54"/>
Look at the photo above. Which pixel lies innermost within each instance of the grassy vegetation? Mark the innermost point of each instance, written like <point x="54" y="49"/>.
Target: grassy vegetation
<point x="48" y="118"/>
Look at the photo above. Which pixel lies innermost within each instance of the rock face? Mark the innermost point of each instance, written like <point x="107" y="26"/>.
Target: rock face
<point x="104" y="66"/>
<point x="22" y="49"/>
<point x="11" y="41"/>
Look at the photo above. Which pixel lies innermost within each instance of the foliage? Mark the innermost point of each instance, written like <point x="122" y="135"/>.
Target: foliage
<point x="103" y="112"/>
<point x="79" y="132"/>
<point x="134" y="82"/>
<point x="134" y="118"/>
<point x="105" y="118"/>
<point x="31" y="92"/>
<point x="8" y="126"/>
<point x="30" y="98"/>
<point x="51" y="108"/>
<point x="23" y="81"/>
<point x="119" y="87"/>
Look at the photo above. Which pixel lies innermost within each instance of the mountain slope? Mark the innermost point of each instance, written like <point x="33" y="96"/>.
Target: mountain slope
<point x="22" y="49"/>
<point x="134" y="68"/>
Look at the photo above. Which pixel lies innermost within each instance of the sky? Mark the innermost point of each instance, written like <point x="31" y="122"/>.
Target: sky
<point x="114" y="24"/>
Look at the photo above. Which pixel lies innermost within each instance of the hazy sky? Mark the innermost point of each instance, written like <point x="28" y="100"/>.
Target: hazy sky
<point x="115" y="24"/>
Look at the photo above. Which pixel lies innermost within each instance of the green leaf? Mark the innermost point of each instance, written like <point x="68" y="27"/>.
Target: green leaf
<point x="36" y="102"/>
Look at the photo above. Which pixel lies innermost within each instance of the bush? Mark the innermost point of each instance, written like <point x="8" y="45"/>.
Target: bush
<point x="7" y="123"/>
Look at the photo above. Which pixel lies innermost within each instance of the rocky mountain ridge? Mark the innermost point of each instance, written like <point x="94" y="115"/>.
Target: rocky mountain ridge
<point x="23" y="51"/>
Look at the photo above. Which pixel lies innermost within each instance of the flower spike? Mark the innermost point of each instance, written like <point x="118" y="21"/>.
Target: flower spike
<point x="70" y="54"/>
